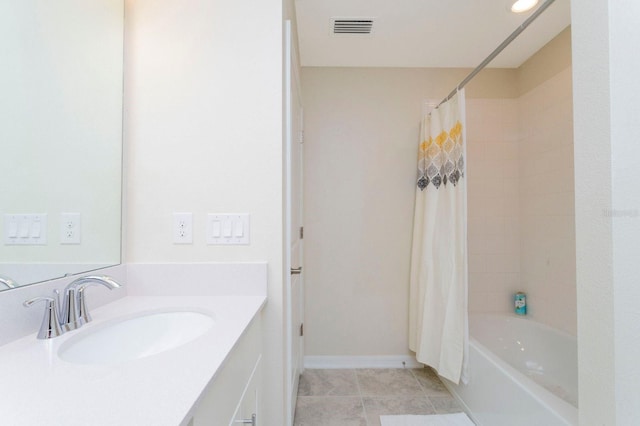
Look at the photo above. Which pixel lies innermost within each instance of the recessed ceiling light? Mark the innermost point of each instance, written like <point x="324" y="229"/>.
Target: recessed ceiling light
<point x="520" y="6"/>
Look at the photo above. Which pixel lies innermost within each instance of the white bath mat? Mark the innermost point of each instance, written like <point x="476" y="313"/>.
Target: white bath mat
<point x="457" y="419"/>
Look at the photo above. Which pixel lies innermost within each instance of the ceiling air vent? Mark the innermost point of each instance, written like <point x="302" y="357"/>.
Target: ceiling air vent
<point x="361" y="26"/>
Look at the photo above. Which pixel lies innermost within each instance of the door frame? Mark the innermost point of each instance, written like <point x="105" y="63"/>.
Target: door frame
<point x="291" y="79"/>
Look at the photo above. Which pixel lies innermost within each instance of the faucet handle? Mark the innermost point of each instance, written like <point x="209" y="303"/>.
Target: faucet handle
<point x="50" y="326"/>
<point x="8" y="282"/>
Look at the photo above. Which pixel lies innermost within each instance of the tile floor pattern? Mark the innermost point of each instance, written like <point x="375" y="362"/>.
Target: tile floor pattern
<point x="359" y="397"/>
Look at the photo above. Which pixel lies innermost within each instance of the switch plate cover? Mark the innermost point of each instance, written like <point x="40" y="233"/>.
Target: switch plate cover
<point x="26" y="229"/>
<point x="228" y="229"/>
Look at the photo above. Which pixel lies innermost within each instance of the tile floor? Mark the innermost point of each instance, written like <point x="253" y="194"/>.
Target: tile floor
<point x="359" y="397"/>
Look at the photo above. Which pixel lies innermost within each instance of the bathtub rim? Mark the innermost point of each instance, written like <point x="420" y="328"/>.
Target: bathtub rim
<point x="554" y="403"/>
<point x="523" y="318"/>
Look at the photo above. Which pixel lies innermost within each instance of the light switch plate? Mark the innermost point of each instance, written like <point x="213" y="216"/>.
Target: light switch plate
<point x="25" y="229"/>
<point x="228" y="229"/>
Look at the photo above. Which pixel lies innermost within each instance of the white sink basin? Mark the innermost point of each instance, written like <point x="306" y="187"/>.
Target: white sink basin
<point x="134" y="338"/>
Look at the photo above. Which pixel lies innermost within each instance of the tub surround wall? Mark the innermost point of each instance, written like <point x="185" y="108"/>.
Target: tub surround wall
<point x="546" y="180"/>
<point x="493" y="203"/>
<point x="521" y="196"/>
<point x="547" y="216"/>
<point x="521" y="209"/>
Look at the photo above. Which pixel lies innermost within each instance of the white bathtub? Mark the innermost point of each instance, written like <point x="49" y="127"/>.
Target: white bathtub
<point x="521" y="373"/>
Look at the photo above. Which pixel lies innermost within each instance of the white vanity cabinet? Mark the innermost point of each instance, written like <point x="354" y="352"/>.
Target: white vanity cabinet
<point x="247" y="411"/>
<point x="233" y="396"/>
<point x="211" y="379"/>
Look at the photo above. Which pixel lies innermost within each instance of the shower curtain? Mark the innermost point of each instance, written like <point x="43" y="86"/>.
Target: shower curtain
<point x="438" y="329"/>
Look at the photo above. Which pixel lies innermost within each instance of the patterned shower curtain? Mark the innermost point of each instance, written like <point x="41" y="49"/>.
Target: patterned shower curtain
<point x="438" y="329"/>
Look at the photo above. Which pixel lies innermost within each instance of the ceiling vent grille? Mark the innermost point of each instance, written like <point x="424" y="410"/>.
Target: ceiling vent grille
<point x="358" y="26"/>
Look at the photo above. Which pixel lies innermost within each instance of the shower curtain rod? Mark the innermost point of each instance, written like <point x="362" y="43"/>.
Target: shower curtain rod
<point x="499" y="49"/>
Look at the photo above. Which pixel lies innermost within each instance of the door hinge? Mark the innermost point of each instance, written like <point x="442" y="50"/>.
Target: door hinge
<point x="302" y="232"/>
<point x="301" y="136"/>
<point x="301" y="330"/>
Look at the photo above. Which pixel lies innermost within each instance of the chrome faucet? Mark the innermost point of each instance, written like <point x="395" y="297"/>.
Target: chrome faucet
<point x="50" y="326"/>
<point x="8" y="282"/>
<point x="74" y="312"/>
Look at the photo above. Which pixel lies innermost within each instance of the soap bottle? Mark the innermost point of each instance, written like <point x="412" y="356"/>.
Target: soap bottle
<point x="521" y="303"/>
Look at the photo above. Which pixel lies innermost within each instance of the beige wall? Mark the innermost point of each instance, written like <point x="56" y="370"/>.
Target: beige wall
<point x="361" y="127"/>
<point x="493" y="204"/>
<point x="547" y="62"/>
<point x="547" y="216"/>
<point x="521" y="211"/>
<point x="521" y="228"/>
<point x="203" y="134"/>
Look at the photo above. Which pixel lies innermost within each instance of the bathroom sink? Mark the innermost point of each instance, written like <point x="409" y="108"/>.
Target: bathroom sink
<point x="135" y="337"/>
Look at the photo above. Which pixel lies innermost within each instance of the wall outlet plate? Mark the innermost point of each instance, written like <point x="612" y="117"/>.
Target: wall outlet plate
<point x="183" y="228"/>
<point x="70" y="228"/>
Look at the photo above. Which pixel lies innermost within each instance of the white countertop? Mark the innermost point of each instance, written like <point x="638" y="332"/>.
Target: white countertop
<point x="38" y="388"/>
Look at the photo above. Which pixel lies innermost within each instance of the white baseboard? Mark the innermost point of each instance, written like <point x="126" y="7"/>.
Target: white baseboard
<point x="382" y="361"/>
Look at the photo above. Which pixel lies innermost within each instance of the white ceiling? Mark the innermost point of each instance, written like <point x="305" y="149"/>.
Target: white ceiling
<point x="423" y="33"/>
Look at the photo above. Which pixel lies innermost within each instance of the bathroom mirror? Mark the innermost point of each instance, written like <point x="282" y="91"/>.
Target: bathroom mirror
<point x="61" y="79"/>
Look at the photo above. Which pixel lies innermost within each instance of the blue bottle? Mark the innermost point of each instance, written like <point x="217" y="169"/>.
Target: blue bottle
<point x="521" y="303"/>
